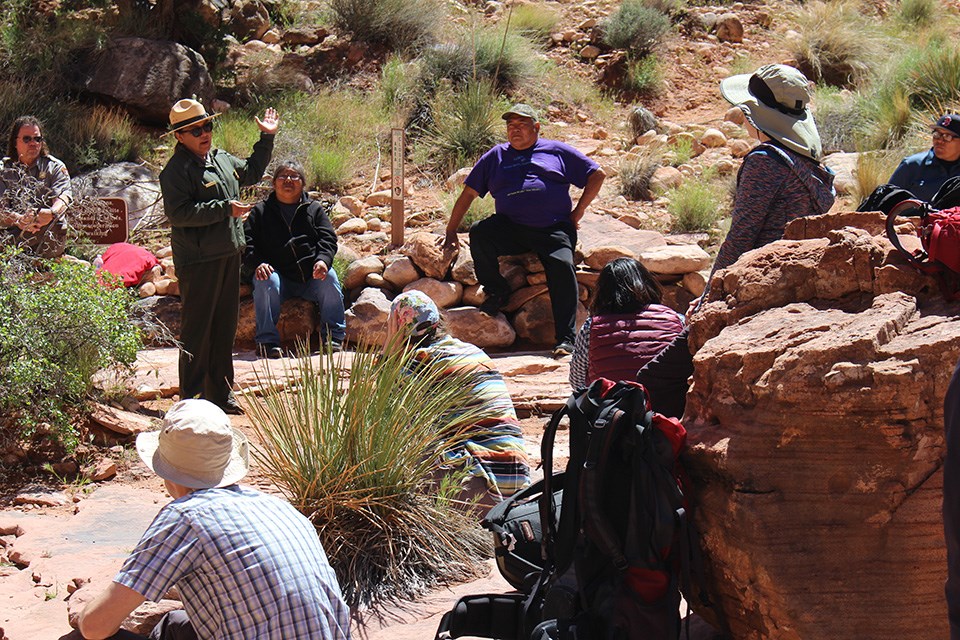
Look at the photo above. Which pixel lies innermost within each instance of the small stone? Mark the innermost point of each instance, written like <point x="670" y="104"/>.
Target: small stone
<point x="713" y="138"/>
<point x="589" y="52"/>
<point x="353" y="225"/>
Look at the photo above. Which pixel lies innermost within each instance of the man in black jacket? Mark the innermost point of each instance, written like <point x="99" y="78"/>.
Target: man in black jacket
<point x="290" y="246"/>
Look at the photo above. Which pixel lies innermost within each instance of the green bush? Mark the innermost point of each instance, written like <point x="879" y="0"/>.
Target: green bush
<point x="398" y="85"/>
<point x="918" y="13"/>
<point x="58" y="327"/>
<point x="694" y="206"/>
<point x="680" y="151"/>
<point x="635" y="27"/>
<point x="837" y="44"/>
<point x="328" y="168"/>
<point x="465" y="124"/>
<point x="399" y="25"/>
<point x="359" y="458"/>
<point x="508" y="60"/>
<point x="644" y="76"/>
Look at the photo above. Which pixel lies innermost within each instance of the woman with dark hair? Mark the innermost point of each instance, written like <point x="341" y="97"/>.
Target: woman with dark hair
<point x="34" y="191"/>
<point x="628" y="326"/>
<point x="494" y="456"/>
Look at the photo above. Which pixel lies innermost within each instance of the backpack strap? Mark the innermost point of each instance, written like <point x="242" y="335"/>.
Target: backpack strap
<point x="918" y="261"/>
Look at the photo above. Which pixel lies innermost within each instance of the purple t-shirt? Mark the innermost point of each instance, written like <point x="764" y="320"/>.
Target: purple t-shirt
<point x="532" y="186"/>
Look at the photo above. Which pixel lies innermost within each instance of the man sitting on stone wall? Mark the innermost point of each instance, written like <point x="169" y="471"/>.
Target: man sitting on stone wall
<point x="290" y="246"/>
<point x="529" y="178"/>
<point x="247" y="565"/>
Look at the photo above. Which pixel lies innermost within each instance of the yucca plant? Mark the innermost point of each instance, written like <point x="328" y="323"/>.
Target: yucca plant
<point x="358" y="455"/>
<point x="465" y="124"/>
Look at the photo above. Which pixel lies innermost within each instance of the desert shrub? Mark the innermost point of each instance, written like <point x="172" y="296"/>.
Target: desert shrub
<point x="873" y="169"/>
<point x="918" y="13"/>
<point x="506" y="59"/>
<point x="396" y="24"/>
<point x="328" y="167"/>
<point x="534" y="21"/>
<point x="58" y="327"/>
<point x="636" y="172"/>
<point x="667" y="7"/>
<point x="465" y="124"/>
<point x="398" y="85"/>
<point x="102" y="136"/>
<point x="694" y="206"/>
<point x="680" y="151"/>
<point x="635" y="27"/>
<point x="839" y="120"/>
<point x="644" y="76"/>
<point x="837" y="44"/>
<point x="935" y="80"/>
<point x="357" y="458"/>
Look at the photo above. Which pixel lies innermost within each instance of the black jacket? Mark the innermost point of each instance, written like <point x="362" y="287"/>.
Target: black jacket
<point x="290" y="250"/>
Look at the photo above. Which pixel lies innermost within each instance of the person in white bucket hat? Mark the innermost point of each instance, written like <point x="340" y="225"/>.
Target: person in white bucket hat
<point x="247" y="565"/>
<point x="782" y="177"/>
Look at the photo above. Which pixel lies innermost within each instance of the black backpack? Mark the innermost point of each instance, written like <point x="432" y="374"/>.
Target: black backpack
<point x="611" y="561"/>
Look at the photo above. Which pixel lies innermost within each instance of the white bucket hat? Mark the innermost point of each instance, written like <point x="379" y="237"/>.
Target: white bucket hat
<point x="197" y="447"/>
<point x="775" y="99"/>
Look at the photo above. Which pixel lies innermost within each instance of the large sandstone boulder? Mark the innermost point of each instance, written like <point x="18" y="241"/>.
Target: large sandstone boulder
<point x="474" y="326"/>
<point x="815" y="421"/>
<point x="367" y="317"/>
<point x="443" y="293"/>
<point x="534" y="321"/>
<point x="146" y="76"/>
<point x="602" y="238"/>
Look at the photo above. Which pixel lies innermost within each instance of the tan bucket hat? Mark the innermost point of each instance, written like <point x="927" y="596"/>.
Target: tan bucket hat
<point x="187" y="112"/>
<point x="775" y="98"/>
<point x="196" y="447"/>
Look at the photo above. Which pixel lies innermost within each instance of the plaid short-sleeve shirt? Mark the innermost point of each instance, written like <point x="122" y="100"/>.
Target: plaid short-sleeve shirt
<point x="247" y="565"/>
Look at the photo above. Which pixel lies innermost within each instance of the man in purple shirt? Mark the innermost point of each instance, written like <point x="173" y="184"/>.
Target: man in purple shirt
<point x="530" y="180"/>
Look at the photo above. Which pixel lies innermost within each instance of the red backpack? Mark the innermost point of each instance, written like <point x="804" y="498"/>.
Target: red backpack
<point x="939" y="233"/>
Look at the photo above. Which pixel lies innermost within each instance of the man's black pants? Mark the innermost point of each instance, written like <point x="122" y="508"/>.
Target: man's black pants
<point x="210" y="306"/>
<point x="498" y="236"/>
<point x="951" y="500"/>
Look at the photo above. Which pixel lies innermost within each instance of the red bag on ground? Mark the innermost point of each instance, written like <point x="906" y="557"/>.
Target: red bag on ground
<point x="127" y="261"/>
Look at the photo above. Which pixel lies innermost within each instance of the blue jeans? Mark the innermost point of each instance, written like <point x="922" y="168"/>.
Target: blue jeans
<point x="269" y="294"/>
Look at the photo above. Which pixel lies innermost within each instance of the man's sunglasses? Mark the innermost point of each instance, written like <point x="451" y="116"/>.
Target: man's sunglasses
<point x="29" y="139"/>
<point x="196" y="132"/>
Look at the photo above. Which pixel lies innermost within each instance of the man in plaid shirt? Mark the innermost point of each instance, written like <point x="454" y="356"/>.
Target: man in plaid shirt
<point x="247" y="565"/>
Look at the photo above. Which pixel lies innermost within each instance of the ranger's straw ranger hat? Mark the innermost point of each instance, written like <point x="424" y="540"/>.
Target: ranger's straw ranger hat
<point x="187" y="112"/>
<point x="196" y="447"/>
<point x="775" y="99"/>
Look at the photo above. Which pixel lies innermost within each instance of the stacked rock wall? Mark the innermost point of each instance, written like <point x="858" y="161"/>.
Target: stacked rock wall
<point x="816" y="425"/>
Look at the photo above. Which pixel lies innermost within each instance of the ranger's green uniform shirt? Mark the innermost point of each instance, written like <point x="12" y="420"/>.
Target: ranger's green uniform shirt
<point x="196" y="199"/>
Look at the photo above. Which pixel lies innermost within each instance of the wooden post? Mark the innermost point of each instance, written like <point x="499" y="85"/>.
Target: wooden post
<point x="396" y="192"/>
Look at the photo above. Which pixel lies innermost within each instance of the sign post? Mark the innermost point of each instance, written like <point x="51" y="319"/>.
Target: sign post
<point x="398" y="144"/>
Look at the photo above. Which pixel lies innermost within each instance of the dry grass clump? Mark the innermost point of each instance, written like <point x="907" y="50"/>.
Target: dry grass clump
<point x="534" y="21"/>
<point x="358" y="456"/>
<point x="400" y="25"/>
<point x="874" y="168"/>
<point x="636" y="172"/>
<point x="694" y="206"/>
<point x="837" y="44"/>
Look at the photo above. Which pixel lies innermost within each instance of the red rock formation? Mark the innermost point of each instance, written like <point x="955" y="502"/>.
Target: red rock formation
<point x="816" y="420"/>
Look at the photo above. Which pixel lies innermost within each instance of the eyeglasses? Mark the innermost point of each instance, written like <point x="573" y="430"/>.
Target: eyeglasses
<point x="943" y="136"/>
<point x="196" y="132"/>
<point x="29" y="139"/>
<point x="289" y="177"/>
